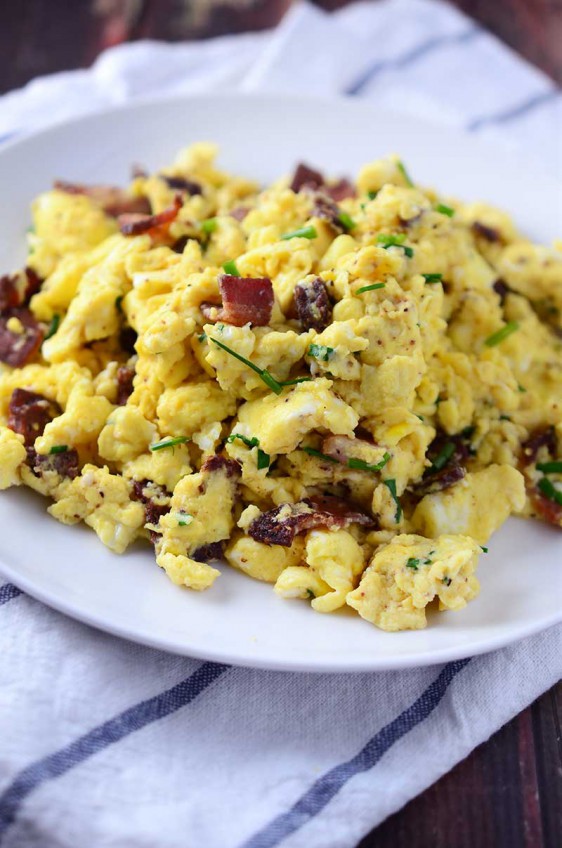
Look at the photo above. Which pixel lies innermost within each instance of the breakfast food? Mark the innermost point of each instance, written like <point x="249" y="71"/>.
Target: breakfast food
<point x="342" y="389"/>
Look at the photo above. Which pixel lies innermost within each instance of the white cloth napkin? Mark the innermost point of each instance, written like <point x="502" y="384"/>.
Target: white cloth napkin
<point x="107" y="744"/>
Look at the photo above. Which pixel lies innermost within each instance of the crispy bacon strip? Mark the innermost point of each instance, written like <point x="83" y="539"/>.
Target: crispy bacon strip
<point x="207" y="553"/>
<point x="136" y="224"/>
<point x="29" y="413"/>
<point x="279" y="526"/>
<point x="16" y="348"/>
<point x="244" y="300"/>
<point x="114" y="201"/>
<point x="313" y="306"/>
<point x="545" y="438"/>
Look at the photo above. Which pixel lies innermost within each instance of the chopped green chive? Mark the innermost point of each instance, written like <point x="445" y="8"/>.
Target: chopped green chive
<point x="231" y="269"/>
<point x="433" y="278"/>
<point x="387" y="240"/>
<point x="484" y="549"/>
<point x="521" y="388"/>
<point x="550" y="467"/>
<point x="263" y="459"/>
<point x="372" y="287"/>
<point x="445" y="210"/>
<point x="209" y="226"/>
<point x="391" y="486"/>
<point x="263" y="373"/>
<point x="183" y="518"/>
<point x="372" y="194"/>
<point x="443" y="456"/>
<point x="361" y="465"/>
<point x="320" y="352"/>
<point x="249" y="442"/>
<point x="59" y="449"/>
<point x="202" y="338"/>
<point x="446" y="580"/>
<point x="308" y="232"/>
<point x="53" y="327"/>
<point x="413" y="562"/>
<point x="502" y="334"/>
<point x="318" y="454"/>
<point x="169" y="443"/>
<point x="346" y="221"/>
<point x="402" y="168"/>
<point x="118" y="302"/>
<point x="550" y="491"/>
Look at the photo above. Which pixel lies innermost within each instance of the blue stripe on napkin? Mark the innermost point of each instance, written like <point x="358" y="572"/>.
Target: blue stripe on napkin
<point x="7" y="592"/>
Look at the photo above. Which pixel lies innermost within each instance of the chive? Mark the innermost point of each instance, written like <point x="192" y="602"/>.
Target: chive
<point x="251" y="443"/>
<point x="446" y="580"/>
<point x="181" y="518"/>
<point x="372" y="194"/>
<point x="319" y="455"/>
<point x="433" y="278"/>
<point x="444" y="456"/>
<point x="402" y="168"/>
<point x="202" y="338"/>
<point x="413" y="562"/>
<point x="550" y="491"/>
<point x="320" y="352"/>
<point x="502" y="334"/>
<point x="308" y="232"/>
<point x="550" y="467"/>
<point x="59" y="449"/>
<point x="230" y="268"/>
<point x="387" y="240"/>
<point x="372" y="287"/>
<point x="118" y="302"/>
<point x="346" y="221"/>
<point x="361" y="465"/>
<point x="267" y="378"/>
<point x="53" y="327"/>
<point x="484" y="549"/>
<point x="263" y="459"/>
<point x="391" y="486"/>
<point x="445" y="210"/>
<point x="209" y="226"/>
<point x="169" y="443"/>
<point x="521" y="388"/>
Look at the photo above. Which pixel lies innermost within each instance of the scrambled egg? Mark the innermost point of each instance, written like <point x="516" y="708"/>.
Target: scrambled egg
<point x="341" y="389"/>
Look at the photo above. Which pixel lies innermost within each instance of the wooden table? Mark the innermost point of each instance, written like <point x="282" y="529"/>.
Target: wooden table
<point x="508" y="792"/>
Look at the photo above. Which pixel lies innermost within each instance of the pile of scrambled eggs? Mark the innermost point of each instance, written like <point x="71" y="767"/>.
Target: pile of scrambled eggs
<point x="343" y="389"/>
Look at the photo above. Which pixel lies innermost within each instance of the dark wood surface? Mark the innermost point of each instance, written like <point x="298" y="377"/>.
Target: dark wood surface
<point x="508" y="792"/>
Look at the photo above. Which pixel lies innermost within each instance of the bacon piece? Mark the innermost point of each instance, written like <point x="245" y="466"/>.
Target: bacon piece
<point x="244" y="300"/>
<point x="547" y="509"/>
<point x="18" y="289"/>
<point x="9" y="295"/>
<point x="305" y="176"/>
<point x="501" y="289"/>
<point x="340" y="190"/>
<point x="545" y="438"/>
<point x="65" y="464"/>
<point x="327" y="209"/>
<point x="135" y="225"/>
<point x="209" y="552"/>
<point x="440" y="480"/>
<point x="29" y="413"/>
<point x="125" y="377"/>
<point x="32" y="285"/>
<point x="239" y="213"/>
<point x="128" y="339"/>
<point x="218" y="462"/>
<point x="488" y="233"/>
<point x="18" y="349"/>
<point x="279" y="526"/>
<point x="183" y="184"/>
<point x="314" y="309"/>
<point x="153" y="511"/>
<point x="114" y="201"/>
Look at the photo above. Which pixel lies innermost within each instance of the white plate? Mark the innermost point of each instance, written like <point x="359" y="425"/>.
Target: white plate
<point x="239" y="620"/>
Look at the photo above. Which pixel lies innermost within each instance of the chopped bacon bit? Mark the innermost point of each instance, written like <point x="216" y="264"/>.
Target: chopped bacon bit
<point x="547" y="509"/>
<point x="182" y="184"/>
<point x="179" y="245"/>
<point x="125" y="377"/>
<point x="9" y="295"/>
<point x="279" y="526"/>
<point x="539" y="439"/>
<point x="488" y="233"/>
<point x="128" y="339"/>
<point x="313" y="305"/>
<point x="114" y="201"/>
<point x="209" y="552"/>
<point x="65" y="464"/>
<point x="218" y="462"/>
<point x="440" y="480"/>
<point x="239" y="213"/>
<point x="153" y="511"/>
<point x="29" y="413"/>
<point x="305" y="176"/>
<point x="327" y="209"/>
<point x="135" y="225"/>
<point x="244" y="300"/>
<point x="18" y="349"/>
<point x="341" y="190"/>
<point x="33" y="284"/>
<point x="501" y="289"/>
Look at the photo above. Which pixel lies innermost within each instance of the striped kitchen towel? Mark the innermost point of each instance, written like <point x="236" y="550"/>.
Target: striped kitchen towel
<point x="105" y="743"/>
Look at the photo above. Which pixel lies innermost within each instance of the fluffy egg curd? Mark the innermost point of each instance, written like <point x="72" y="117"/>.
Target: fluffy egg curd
<point x="342" y="389"/>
